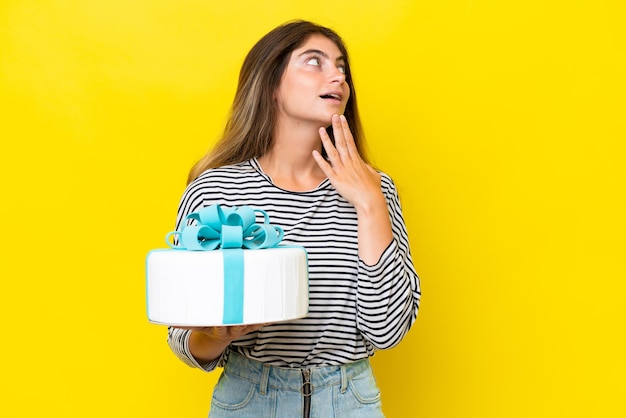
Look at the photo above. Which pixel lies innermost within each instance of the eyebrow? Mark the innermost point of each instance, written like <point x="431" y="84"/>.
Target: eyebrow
<point x="323" y="54"/>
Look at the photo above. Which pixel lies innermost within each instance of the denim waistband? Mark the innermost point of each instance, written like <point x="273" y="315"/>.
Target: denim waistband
<point x="290" y="379"/>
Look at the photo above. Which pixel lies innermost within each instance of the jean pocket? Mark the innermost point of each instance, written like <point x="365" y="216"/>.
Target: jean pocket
<point x="232" y="392"/>
<point x="364" y="387"/>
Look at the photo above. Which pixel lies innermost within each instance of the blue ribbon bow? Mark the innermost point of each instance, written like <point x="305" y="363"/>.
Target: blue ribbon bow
<point x="229" y="229"/>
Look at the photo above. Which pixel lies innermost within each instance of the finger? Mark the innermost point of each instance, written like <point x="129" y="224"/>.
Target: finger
<point x="323" y="164"/>
<point x="245" y="329"/>
<point x="326" y="141"/>
<point x="256" y="327"/>
<point x="348" y="138"/>
<point x="194" y="328"/>
<point x="331" y="150"/>
<point x="338" y="133"/>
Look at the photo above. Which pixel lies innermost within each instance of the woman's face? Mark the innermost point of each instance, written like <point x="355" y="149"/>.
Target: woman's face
<point x="313" y="86"/>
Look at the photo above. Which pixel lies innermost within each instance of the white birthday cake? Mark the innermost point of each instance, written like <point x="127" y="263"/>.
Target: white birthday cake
<point x="252" y="281"/>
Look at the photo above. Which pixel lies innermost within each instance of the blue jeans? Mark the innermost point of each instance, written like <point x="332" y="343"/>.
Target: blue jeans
<point x="250" y="389"/>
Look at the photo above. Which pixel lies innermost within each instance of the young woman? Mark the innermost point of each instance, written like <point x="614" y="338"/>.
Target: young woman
<point x="293" y="147"/>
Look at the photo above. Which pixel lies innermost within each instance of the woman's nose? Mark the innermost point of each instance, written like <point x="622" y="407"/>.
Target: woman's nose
<point x="338" y="76"/>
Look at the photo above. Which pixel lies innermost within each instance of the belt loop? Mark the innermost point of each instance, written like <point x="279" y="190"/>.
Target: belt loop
<point x="265" y="377"/>
<point x="344" y="379"/>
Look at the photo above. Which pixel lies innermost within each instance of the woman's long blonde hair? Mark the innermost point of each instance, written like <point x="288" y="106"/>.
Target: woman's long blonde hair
<point x="250" y="127"/>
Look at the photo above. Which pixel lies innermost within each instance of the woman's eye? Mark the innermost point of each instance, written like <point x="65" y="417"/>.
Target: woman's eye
<point x="342" y="68"/>
<point x="313" y="61"/>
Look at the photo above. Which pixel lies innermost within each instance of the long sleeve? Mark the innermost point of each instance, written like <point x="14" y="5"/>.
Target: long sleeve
<point x="388" y="293"/>
<point x="178" y="340"/>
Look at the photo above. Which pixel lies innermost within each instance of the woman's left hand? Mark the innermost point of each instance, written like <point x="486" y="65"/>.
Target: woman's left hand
<point x="354" y="179"/>
<point x="360" y="185"/>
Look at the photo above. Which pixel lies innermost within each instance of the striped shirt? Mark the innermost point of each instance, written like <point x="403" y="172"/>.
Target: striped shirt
<point x="354" y="308"/>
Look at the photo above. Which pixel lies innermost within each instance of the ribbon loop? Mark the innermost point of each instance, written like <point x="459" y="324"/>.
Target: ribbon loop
<point x="264" y="236"/>
<point x="215" y="227"/>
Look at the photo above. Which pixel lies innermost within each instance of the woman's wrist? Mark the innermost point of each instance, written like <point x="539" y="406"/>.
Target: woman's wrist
<point x="205" y="348"/>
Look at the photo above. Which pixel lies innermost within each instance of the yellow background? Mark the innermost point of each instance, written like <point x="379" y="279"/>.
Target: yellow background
<point x="502" y="122"/>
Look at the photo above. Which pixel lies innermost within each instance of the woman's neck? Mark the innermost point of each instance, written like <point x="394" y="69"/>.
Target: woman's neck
<point x="289" y="162"/>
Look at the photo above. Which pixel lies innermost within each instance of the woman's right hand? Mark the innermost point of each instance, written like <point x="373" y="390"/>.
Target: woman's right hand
<point x="208" y="343"/>
<point x="226" y="333"/>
